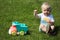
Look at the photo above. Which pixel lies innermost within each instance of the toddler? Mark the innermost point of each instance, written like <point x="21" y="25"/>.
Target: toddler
<point x="47" y="20"/>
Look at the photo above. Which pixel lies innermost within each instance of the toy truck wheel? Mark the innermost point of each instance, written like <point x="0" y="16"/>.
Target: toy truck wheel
<point x="13" y="33"/>
<point x="21" y="32"/>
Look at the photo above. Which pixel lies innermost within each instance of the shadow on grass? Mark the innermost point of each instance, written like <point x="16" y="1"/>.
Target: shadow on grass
<point x="28" y="33"/>
<point x="52" y="33"/>
<point x="56" y="31"/>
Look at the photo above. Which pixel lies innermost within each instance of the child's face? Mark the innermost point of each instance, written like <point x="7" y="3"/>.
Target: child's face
<point x="46" y="10"/>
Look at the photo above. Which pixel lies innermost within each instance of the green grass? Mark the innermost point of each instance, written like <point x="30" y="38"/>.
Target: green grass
<point x="22" y="11"/>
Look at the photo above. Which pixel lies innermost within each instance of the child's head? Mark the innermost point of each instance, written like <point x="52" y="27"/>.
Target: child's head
<point x="46" y="8"/>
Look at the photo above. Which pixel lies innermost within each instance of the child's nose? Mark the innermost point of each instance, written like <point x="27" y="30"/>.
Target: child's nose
<point x="46" y="11"/>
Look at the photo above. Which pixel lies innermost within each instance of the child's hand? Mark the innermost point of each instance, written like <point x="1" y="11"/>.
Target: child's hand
<point x="50" y="23"/>
<point x="35" y="12"/>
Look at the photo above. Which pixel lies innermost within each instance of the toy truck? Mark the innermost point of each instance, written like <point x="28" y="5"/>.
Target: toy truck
<point x="20" y="27"/>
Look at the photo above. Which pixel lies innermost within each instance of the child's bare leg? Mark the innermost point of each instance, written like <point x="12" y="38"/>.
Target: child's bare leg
<point x="45" y="29"/>
<point x="42" y="27"/>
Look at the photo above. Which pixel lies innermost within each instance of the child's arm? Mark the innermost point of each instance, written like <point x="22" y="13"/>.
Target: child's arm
<point x="51" y="23"/>
<point x="36" y="14"/>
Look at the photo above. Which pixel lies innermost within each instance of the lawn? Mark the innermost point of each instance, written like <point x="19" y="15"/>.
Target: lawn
<point x="22" y="11"/>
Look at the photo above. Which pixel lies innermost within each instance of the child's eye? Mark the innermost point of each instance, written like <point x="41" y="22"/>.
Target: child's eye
<point x="46" y="10"/>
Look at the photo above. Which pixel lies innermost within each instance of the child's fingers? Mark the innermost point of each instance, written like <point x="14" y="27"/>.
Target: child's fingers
<point x="35" y="11"/>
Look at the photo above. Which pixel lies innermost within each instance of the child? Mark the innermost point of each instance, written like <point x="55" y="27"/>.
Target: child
<point x="47" y="20"/>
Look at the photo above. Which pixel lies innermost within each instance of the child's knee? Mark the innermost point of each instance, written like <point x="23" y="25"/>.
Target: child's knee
<point x="52" y="27"/>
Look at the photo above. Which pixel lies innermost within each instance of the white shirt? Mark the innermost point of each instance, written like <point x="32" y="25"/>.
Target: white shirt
<point x="45" y="18"/>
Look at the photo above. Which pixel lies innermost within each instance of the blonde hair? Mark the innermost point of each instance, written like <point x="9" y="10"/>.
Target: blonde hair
<point x="46" y="4"/>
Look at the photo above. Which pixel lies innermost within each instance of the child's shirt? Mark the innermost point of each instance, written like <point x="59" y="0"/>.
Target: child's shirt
<point x="45" y="18"/>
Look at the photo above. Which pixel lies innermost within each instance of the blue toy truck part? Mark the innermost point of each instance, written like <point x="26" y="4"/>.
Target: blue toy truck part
<point x="20" y="26"/>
